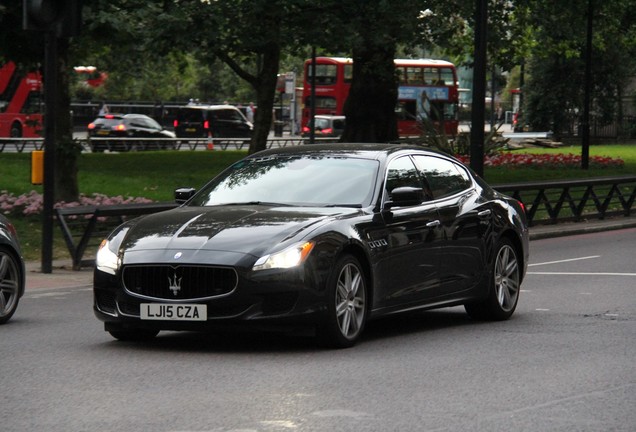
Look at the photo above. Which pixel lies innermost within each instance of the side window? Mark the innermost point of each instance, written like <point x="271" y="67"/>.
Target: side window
<point x="401" y="173"/>
<point x="444" y="177"/>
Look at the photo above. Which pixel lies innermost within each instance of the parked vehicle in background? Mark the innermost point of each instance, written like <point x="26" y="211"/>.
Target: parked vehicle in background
<point x="211" y="121"/>
<point x="428" y="91"/>
<point x="12" y="273"/>
<point x="21" y="102"/>
<point x="326" y="126"/>
<point x="127" y="126"/>
<point x="326" y="236"/>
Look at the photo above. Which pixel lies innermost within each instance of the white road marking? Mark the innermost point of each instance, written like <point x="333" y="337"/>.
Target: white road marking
<point x="582" y="274"/>
<point x="565" y="260"/>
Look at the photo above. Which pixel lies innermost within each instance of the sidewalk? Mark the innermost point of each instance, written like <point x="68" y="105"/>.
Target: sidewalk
<point x="63" y="275"/>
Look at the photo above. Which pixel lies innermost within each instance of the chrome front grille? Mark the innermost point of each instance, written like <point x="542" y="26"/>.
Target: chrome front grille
<point x="184" y="282"/>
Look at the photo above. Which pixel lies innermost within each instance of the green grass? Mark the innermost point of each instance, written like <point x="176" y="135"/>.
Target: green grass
<point x="155" y="175"/>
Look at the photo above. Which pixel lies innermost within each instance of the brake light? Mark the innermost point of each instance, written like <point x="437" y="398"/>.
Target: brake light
<point x="327" y="131"/>
<point x="206" y="124"/>
<point x="91" y="126"/>
<point x="175" y="123"/>
<point x="305" y="129"/>
<point x="120" y="127"/>
<point x="109" y="116"/>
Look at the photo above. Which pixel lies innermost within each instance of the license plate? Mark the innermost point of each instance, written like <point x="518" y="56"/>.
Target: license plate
<point x="173" y="312"/>
<point x="102" y="132"/>
<point x="191" y="130"/>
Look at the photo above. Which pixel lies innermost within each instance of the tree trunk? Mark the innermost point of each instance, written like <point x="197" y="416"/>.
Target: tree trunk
<point x="265" y="87"/>
<point x="370" y="107"/>
<point x="67" y="150"/>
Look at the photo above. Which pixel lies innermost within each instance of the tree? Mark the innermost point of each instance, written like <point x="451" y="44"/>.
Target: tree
<point x="554" y="90"/>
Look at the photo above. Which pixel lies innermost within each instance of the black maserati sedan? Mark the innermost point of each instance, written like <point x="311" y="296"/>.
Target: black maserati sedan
<point x="324" y="237"/>
<point x="12" y="271"/>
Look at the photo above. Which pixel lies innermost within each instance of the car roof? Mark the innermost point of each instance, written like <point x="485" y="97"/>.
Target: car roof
<point x="359" y="150"/>
<point x="209" y="107"/>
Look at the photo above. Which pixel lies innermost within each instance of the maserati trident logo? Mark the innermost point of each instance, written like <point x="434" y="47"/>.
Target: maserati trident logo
<point x="174" y="283"/>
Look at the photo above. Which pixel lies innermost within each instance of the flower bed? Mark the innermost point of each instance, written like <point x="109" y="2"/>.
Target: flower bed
<point x="544" y="161"/>
<point x="32" y="203"/>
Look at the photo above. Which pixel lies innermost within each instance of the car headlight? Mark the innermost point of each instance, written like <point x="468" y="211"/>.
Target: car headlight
<point x="107" y="258"/>
<point x="291" y="257"/>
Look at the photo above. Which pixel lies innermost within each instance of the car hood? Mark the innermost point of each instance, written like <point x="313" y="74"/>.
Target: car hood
<point x="231" y="232"/>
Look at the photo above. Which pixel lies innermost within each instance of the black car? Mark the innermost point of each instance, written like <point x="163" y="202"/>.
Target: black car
<point x="11" y="270"/>
<point x="127" y="126"/>
<point x="327" y="236"/>
<point x="211" y="121"/>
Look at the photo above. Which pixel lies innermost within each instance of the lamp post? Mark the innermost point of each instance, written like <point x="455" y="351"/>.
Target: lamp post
<point x="479" y="90"/>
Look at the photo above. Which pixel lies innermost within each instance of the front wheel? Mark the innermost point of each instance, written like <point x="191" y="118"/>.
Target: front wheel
<point x="504" y="284"/>
<point x="10" y="279"/>
<point x="346" y="304"/>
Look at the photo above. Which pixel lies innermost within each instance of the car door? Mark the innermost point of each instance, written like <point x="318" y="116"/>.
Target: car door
<point x="465" y="219"/>
<point x="406" y="243"/>
<point x="230" y="123"/>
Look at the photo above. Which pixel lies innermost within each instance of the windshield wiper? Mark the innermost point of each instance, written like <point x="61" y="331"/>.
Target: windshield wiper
<point x="345" y="205"/>
<point x="258" y="203"/>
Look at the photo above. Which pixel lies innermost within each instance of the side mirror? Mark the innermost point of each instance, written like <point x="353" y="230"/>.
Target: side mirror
<point x="182" y="195"/>
<point x="405" y="196"/>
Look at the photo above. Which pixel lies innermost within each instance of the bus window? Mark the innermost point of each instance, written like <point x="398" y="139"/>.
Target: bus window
<point x="400" y="75"/>
<point x="348" y="73"/>
<point x="406" y="110"/>
<point x="431" y="75"/>
<point x="326" y="74"/>
<point x="447" y="76"/>
<point x="322" y="102"/>
<point x="33" y="103"/>
<point x="414" y="75"/>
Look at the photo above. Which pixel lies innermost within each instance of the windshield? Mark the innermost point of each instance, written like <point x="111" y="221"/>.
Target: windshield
<point x="294" y="180"/>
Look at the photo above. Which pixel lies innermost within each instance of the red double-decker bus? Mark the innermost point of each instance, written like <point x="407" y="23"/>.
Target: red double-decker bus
<point x="428" y="90"/>
<point x="21" y="102"/>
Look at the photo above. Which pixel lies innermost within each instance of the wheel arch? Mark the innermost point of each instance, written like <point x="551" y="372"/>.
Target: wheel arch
<point x="518" y="245"/>
<point x="358" y="252"/>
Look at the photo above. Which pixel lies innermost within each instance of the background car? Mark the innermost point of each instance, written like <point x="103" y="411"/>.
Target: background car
<point x="12" y="273"/>
<point x="326" y="126"/>
<point x="211" y="121"/>
<point x="127" y="126"/>
<point x="326" y="236"/>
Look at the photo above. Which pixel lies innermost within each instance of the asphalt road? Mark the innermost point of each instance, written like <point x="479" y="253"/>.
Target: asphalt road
<point x="564" y="362"/>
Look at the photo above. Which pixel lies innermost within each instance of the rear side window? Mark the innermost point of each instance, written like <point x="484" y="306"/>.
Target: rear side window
<point x="228" y="115"/>
<point x="191" y="115"/>
<point x="444" y="177"/>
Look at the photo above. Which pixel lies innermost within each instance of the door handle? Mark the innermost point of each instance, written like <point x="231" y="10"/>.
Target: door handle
<point x="484" y="213"/>
<point x="433" y="224"/>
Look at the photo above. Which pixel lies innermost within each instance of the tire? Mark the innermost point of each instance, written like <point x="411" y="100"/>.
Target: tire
<point x="16" y="130"/>
<point x="133" y="335"/>
<point x="503" y="286"/>
<point x="346" y="304"/>
<point x="10" y="289"/>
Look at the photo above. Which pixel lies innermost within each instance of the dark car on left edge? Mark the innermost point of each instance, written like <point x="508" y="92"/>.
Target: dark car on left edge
<point x="12" y="272"/>
<point x="127" y="126"/>
<point x="324" y="236"/>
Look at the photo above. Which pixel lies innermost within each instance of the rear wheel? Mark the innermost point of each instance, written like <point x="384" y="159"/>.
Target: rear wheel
<point x="504" y="284"/>
<point x="346" y="304"/>
<point x="10" y="279"/>
<point x="16" y="130"/>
